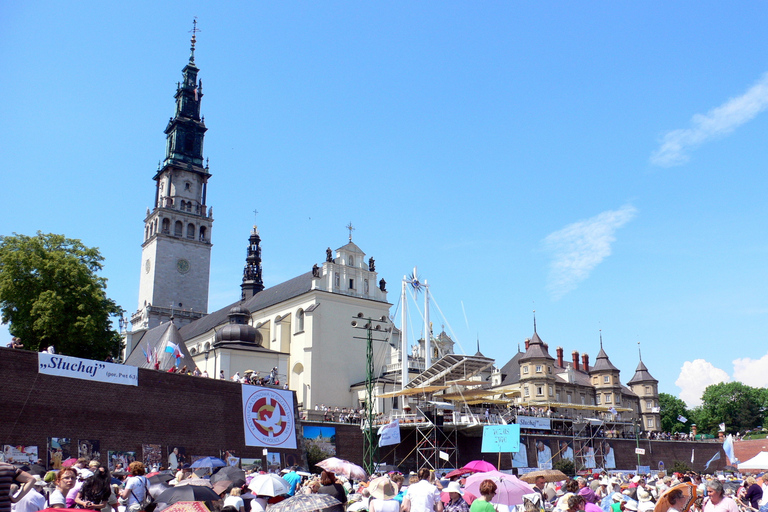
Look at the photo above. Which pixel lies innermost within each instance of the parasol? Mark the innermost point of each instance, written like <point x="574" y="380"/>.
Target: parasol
<point x="550" y="475"/>
<point x="343" y="467"/>
<point x="269" y="485"/>
<point x="305" y="503"/>
<point x="509" y="489"/>
<point x="686" y="493"/>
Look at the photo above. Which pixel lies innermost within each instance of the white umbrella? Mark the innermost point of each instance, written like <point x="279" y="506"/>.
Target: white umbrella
<point x="343" y="467"/>
<point x="269" y="485"/>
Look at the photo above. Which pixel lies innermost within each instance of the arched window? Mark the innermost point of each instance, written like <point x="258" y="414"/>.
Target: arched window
<point x="202" y="233"/>
<point x="190" y="230"/>
<point x="300" y="321"/>
<point x="178" y="228"/>
<point x="351" y="261"/>
<point x="146" y="233"/>
<point x="166" y="226"/>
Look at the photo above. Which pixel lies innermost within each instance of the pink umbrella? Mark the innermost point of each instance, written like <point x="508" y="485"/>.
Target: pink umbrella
<point x="69" y="462"/>
<point x="509" y="489"/>
<point x="343" y="467"/>
<point x="479" y="466"/>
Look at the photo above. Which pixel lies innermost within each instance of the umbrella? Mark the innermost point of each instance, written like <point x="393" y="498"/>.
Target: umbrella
<point x="269" y="485"/>
<point x="69" y="462"/>
<point x="187" y="493"/>
<point x="509" y="488"/>
<point x="550" y="475"/>
<point x="160" y="478"/>
<point x="188" y="506"/>
<point x="305" y="503"/>
<point x="682" y="504"/>
<point x="231" y="473"/>
<point x="198" y="482"/>
<point x="343" y="467"/>
<point x="458" y="472"/>
<point x="37" y="469"/>
<point x="155" y="489"/>
<point x="222" y="486"/>
<point x="208" y="462"/>
<point x="479" y="466"/>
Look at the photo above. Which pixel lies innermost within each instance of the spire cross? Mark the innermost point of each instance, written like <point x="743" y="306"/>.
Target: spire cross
<point x="534" y="320"/>
<point x="255" y="213"/>
<point x="194" y="31"/>
<point x="638" y="350"/>
<point x="351" y="229"/>
<point x="601" y="339"/>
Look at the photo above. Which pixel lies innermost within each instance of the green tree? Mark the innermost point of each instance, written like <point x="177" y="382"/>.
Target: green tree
<point x="566" y="466"/>
<point x="50" y="295"/>
<point x="739" y="406"/>
<point x="672" y="408"/>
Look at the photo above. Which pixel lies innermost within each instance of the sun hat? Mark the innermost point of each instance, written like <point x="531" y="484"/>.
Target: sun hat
<point x="630" y="505"/>
<point x="453" y="487"/>
<point x="382" y="488"/>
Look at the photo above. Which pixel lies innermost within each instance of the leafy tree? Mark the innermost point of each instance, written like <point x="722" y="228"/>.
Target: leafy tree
<point x="739" y="406"/>
<point x="680" y="467"/>
<point x="566" y="466"/>
<point x="672" y="408"/>
<point x="314" y="454"/>
<point x="50" y="295"/>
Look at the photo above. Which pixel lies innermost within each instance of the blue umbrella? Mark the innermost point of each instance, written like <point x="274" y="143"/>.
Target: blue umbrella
<point x="208" y="462"/>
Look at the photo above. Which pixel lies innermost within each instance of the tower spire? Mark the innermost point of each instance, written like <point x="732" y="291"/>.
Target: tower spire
<point x="192" y="41"/>
<point x="534" y="320"/>
<point x="252" y="282"/>
<point x="640" y="354"/>
<point x="601" y="339"/>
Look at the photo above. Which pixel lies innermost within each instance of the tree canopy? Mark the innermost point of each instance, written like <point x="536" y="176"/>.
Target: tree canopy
<point x="739" y="406"/>
<point x="50" y="295"/>
<point x="672" y="408"/>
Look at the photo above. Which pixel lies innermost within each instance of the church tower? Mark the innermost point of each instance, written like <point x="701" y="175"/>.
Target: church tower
<point x="176" y="253"/>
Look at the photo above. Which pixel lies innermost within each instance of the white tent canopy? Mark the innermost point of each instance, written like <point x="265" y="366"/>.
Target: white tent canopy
<point x="759" y="461"/>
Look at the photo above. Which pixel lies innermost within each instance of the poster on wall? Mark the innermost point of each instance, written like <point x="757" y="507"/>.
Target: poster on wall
<point x="230" y="458"/>
<point x="59" y="450"/>
<point x="88" y="449"/>
<point x="20" y="454"/>
<point x="586" y="453"/>
<point x="273" y="462"/>
<point x="177" y="457"/>
<point x="248" y="464"/>
<point x="324" y="438"/>
<point x="609" y="458"/>
<point x="120" y="460"/>
<point x="520" y="457"/>
<point x="268" y="417"/>
<point x="86" y="369"/>
<point x="151" y="455"/>
<point x="543" y="454"/>
<point x="566" y="450"/>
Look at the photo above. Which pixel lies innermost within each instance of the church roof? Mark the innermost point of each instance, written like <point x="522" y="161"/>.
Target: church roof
<point x="264" y="299"/>
<point x="156" y="340"/>
<point x="510" y="372"/>
<point x="351" y="247"/>
<point x="536" y="349"/>
<point x="602" y="363"/>
<point x="641" y="375"/>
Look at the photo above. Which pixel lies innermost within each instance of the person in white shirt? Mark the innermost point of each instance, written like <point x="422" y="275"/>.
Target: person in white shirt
<point x="33" y="501"/>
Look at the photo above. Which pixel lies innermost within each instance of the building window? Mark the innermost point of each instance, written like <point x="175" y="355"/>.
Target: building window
<point x="539" y="368"/>
<point x="607" y="398"/>
<point x="557" y="396"/>
<point x="525" y="390"/>
<point x="607" y="379"/>
<point x="650" y="423"/>
<point x="351" y="284"/>
<point x="595" y="380"/>
<point x="351" y="261"/>
<point x="618" y="399"/>
<point x="583" y="398"/>
<point x="598" y="399"/>
<point x="648" y="405"/>
<point x="190" y="230"/>
<point x="177" y="228"/>
<point x="551" y="391"/>
<point x="365" y="285"/>
<point x="647" y="390"/>
<point x="539" y="390"/>
<point x="549" y="368"/>
<point x="570" y="398"/>
<point x="525" y="369"/>
<point x="202" y="233"/>
<point x="337" y="280"/>
<point x="300" y="321"/>
<point x="394" y="402"/>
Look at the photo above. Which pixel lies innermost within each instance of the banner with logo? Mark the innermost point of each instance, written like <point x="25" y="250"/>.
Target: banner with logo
<point x="268" y="417"/>
<point x="87" y="369"/>
<point x="533" y="422"/>
<point x="390" y="433"/>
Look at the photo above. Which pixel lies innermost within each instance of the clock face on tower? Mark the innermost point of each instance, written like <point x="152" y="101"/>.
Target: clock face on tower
<point x="182" y="266"/>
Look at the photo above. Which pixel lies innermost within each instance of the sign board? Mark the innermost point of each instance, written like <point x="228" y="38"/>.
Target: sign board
<point x="640" y="451"/>
<point x="268" y="417"/>
<point x="501" y="438"/>
<point x="534" y="422"/>
<point x="390" y="433"/>
<point x="87" y="369"/>
<point x="643" y="470"/>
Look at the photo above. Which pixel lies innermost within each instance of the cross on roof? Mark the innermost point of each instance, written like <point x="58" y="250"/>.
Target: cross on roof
<point x="351" y="229"/>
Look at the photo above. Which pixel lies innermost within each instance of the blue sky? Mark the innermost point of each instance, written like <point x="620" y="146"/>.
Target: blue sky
<point x="601" y="163"/>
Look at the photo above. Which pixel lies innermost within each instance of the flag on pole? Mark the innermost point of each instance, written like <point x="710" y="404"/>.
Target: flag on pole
<point x="728" y="448"/>
<point x="656" y="410"/>
<point x="692" y="455"/>
<point x="722" y="427"/>
<point x="174" y="349"/>
<point x="682" y="419"/>
<point x="613" y="411"/>
<point x="389" y="433"/>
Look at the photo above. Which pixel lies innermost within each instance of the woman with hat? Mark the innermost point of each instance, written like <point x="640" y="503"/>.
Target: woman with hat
<point x="382" y="493"/>
<point x="456" y="501"/>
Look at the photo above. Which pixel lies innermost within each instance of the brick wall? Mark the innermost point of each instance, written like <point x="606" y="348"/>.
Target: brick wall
<point x="202" y="415"/>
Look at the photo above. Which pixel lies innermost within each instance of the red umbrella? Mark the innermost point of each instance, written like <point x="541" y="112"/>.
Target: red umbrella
<point x="479" y="466"/>
<point x="458" y="472"/>
<point x="69" y="462"/>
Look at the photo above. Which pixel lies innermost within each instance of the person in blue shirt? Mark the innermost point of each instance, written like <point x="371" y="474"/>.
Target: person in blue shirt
<point x="293" y="478"/>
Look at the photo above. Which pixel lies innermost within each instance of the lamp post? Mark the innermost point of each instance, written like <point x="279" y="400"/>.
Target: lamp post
<point x="370" y="444"/>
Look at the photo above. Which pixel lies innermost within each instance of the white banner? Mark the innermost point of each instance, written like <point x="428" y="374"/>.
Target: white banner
<point x="390" y="433"/>
<point x="268" y="417"/>
<point x="533" y="422"/>
<point x="86" y="369"/>
<point x="640" y="451"/>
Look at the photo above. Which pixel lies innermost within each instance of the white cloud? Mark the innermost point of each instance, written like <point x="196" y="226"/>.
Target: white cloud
<point x="580" y="247"/>
<point x="719" y="121"/>
<point x="694" y="378"/>
<point x="752" y="372"/>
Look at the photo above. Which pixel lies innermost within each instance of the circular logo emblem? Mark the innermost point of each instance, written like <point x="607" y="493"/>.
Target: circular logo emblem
<point x="182" y="266"/>
<point x="269" y="417"/>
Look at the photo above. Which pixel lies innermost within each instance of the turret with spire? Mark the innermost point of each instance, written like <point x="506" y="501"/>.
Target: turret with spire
<point x="647" y="390"/>
<point x="252" y="282"/>
<point x="536" y="370"/>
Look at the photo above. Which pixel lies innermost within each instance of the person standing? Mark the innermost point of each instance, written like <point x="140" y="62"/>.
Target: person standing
<point x="173" y="459"/>
<point x="483" y="504"/>
<point x="34" y="500"/>
<point x="716" y="501"/>
<point x="65" y="481"/>
<point x="293" y="478"/>
<point x="8" y="474"/>
<point x="422" y="496"/>
<point x="136" y="487"/>
<point x="329" y="485"/>
<point x="456" y="501"/>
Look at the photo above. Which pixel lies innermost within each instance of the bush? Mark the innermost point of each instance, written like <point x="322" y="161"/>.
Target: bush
<point x="566" y="466"/>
